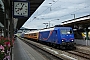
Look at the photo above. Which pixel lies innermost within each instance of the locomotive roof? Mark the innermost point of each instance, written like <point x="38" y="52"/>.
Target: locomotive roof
<point x="35" y="31"/>
<point x="63" y="27"/>
<point x="55" y="28"/>
<point x="47" y="29"/>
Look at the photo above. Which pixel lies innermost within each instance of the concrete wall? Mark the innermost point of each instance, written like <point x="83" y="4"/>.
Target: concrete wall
<point x="82" y="42"/>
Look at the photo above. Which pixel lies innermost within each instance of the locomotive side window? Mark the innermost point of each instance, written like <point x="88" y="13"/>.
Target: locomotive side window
<point x="56" y="31"/>
<point x="71" y="31"/>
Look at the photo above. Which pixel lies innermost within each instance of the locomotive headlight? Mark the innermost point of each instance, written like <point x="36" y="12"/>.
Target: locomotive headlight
<point x="62" y="40"/>
<point x="72" y="40"/>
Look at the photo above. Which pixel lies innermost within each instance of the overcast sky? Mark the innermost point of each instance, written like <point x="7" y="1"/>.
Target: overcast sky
<point x="52" y="10"/>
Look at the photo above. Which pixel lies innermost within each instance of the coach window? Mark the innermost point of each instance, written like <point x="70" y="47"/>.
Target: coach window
<point x="34" y="34"/>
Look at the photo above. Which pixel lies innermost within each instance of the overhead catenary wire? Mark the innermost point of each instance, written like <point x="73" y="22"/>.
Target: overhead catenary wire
<point x="63" y="15"/>
<point x="73" y="11"/>
<point x="44" y="11"/>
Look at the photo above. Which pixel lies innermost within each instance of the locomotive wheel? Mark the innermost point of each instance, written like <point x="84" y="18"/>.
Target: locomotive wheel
<point x="62" y="47"/>
<point x="58" y="46"/>
<point x="54" y="45"/>
<point x="48" y="43"/>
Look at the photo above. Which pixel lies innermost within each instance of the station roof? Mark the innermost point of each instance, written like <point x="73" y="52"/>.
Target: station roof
<point x="83" y="21"/>
<point x="34" y="4"/>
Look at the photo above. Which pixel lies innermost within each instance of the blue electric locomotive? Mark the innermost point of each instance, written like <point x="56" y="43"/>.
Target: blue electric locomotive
<point x="58" y="36"/>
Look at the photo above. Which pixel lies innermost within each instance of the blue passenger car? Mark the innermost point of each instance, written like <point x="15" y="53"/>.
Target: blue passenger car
<point x="57" y="36"/>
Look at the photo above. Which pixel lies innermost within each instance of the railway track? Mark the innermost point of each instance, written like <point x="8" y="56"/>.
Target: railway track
<point x="80" y="54"/>
<point x="47" y="55"/>
<point x="75" y="54"/>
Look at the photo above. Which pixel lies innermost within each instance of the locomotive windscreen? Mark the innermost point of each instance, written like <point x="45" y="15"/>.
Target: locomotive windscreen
<point x="66" y="31"/>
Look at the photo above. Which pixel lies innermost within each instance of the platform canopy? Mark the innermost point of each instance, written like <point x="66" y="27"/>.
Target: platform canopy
<point x="81" y="22"/>
<point x="34" y="4"/>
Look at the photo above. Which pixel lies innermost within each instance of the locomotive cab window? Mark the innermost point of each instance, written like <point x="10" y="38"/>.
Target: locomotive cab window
<point x="66" y="31"/>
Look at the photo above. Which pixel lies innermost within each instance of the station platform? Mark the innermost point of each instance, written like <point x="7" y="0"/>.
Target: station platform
<point x="84" y="47"/>
<point x="21" y="51"/>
